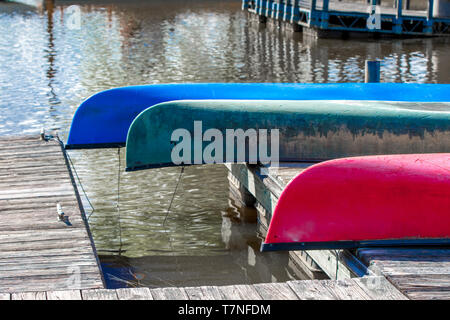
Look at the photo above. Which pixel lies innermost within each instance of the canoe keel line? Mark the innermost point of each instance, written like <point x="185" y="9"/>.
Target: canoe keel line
<point x="374" y="201"/>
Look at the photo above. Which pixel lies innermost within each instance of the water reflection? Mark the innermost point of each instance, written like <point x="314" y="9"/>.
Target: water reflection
<point x="51" y="55"/>
<point x="48" y="69"/>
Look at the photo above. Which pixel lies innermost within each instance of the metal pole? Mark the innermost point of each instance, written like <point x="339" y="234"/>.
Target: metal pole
<point x="372" y="73"/>
<point x="399" y="8"/>
<point x="429" y="22"/>
<point x="430" y="9"/>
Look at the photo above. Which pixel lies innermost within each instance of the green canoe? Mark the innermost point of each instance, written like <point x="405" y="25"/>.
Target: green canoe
<point x="308" y="130"/>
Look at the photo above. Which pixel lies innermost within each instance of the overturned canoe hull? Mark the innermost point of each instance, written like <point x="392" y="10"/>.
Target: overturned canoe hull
<point x="365" y="201"/>
<point x="308" y="130"/>
<point x="103" y="120"/>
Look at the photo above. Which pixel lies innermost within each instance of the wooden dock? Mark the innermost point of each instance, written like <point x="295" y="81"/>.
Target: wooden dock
<point x="38" y="251"/>
<point x="348" y="289"/>
<point x="422" y="273"/>
<point x="44" y="257"/>
<point x="335" y="19"/>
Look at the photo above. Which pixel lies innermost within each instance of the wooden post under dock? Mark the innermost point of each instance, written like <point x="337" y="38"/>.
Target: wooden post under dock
<point x="40" y="250"/>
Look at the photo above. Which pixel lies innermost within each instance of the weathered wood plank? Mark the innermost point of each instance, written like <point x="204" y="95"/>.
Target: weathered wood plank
<point x="417" y="272"/>
<point x="41" y="225"/>
<point x="212" y="293"/>
<point x="275" y="291"/>
<point x="54" y="194"/>
<point x="230" y="293"/>
<point x="27" y="268"/>
<point x="8" y="193"/>
<point x="29" y="174"/>
<point x="46" y="244"/>
<point x="30" y="163"/>
<point x="239" y="292"/>
<point x="24" y="172"/>
<point x="204" y="293"/>
<point x="44" y="253"/>
<point x="99" y="294"/>
<point x="378" y="288"/>
<point x="170" y="293"/>
<point x="48" y="159"/>
<point x="65" y="272"/>
<point x="36" y="203"/>
<point x="158" y="294"/>
<point x="423" y="286"/>
<point x="175" y="293"/>
<point x="5" y="296"/>
<point x="25" y="137"/>
<point x="46" y="152"/>
<point x="36" y="180"/>
<point x="134" y="294"/>
<point x="194" y="293"/>
<point x="311" y="290"/>
<point x="26" y="236"/>
<point x="29" y="296"/>
<point x="50" y="282"/>
<point x="20" y="147"/>
<point x="64" y="295"/>
<point x="345" y="289"/>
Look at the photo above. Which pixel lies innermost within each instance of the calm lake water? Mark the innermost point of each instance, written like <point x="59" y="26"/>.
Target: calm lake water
<point x="49" y="64"/>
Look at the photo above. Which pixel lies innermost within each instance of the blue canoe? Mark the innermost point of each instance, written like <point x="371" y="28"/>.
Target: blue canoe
<point x="103" y="119"/>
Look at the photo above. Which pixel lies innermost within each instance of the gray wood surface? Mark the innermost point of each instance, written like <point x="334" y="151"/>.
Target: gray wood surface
<point x="211" y="293"/>
<point x="134" y="294"/>
<point x="379" y="288"/>
<point x="64" y="295"/>
<point x="311" y="290"/>
<point x="29" y="296"/>
<point x="418" y="273"/>
<point x="5" y="296"/>
<point x="99" y="294"/>
<point x="38" y="252"/>
<point x="239" y="292"/>
<point x="171" y="293"/>
<point x="275" y="291"/>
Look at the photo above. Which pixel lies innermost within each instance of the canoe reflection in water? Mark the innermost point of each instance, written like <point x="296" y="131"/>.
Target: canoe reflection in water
<point x="240" y="262"/>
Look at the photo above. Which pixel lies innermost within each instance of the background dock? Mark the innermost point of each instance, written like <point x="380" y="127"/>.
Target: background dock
<point x="374" y="18"/>
<point x="38" y="252"/>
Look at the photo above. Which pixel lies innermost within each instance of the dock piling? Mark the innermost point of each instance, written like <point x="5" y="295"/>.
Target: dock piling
<point x="372" y="72"/>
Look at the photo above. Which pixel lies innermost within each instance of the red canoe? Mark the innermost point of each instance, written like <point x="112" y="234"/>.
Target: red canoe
<point x="365" y="201"/>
